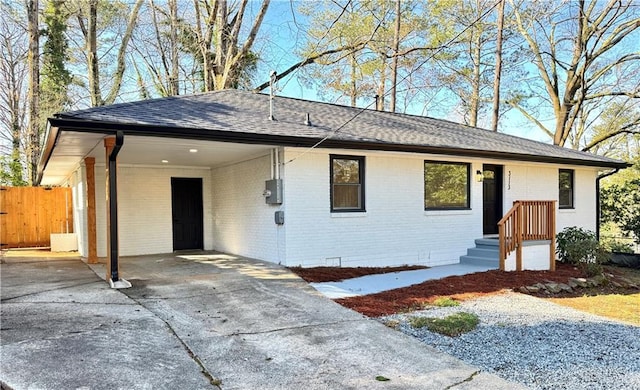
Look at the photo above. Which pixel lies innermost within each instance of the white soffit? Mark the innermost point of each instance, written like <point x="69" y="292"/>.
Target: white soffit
<point x="73" y="147"/>
<point x="70" y="149"/>
<point x="152" y="150"/>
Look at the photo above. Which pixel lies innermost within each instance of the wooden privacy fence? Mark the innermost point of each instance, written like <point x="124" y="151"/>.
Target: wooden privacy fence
<point x="28" y="215"/>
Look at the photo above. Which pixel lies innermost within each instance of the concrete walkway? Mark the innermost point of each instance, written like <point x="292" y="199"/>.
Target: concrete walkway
<point x="201" y="321"/>
<point x="372" y="284"/>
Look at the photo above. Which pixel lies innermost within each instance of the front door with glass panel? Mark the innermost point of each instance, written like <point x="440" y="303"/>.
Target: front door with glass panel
<point x="491" y="198"/>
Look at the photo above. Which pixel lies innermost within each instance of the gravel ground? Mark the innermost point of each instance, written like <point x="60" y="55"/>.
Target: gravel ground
<point x="539" y="344"/>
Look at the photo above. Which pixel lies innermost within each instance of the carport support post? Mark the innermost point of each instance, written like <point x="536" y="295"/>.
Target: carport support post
<point x="112" y="146"/>
<point x="89" y="165"/>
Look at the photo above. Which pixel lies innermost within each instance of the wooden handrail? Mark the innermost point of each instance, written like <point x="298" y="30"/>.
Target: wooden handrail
<point x="527" y="220"/>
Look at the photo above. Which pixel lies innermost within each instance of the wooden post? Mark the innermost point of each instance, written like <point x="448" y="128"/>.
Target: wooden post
<point x="109" y="143"/>
<point x="501" y="246"/>
<point x="518" y="238"/>
<point x="89" y="164"/>
<point x="552" y="245"/>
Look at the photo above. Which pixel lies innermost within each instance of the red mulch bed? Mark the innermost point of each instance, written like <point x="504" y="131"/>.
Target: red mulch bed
<point x="336" y="274"/>
<point x="456" y="287"/>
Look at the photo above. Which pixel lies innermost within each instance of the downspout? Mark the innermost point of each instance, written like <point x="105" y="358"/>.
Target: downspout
<point x="276" y="166"/>
<point x="600" y="177"/>
<point x="113" y="205"/>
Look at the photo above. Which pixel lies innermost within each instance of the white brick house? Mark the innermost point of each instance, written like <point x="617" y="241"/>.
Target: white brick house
<point x="385" y="189"/>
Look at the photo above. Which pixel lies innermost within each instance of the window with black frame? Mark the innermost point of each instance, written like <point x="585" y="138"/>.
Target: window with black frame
<point x="347" y="183"/>
<point x="565" y="188"/>
<point x="446" y="185"/>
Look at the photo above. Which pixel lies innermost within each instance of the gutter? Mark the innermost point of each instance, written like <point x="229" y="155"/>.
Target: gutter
<point x="72" y="124"/>
<point x="51" y="138"/>
<point x="598" y="211"/>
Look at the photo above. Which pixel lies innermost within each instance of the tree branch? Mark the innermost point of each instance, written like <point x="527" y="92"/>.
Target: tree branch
<point x="411" y="50"/>
<point x="254" y="30"/>
<point x="117" y="83"/>
<point x="633" y="95"/>
<point x="529" y="117"/>
<point x="624" y="130"/>
<point x="310" y="60"/>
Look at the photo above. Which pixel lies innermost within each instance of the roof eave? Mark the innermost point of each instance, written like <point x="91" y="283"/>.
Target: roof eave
<point x="81" y="125"/>
<point x="51" y="137"/>
<point x="475" y="153"/>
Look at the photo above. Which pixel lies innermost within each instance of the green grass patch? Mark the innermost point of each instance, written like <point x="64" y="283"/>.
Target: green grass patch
<point x="419" y="322"/>
<point x="453" y="325"/>
<point x="446" y="302"/>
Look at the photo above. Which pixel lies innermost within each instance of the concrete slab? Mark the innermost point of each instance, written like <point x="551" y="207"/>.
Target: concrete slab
<point x="67" y="329"/>
<point x="206" y="320"/>
<point x="372" y="284"/>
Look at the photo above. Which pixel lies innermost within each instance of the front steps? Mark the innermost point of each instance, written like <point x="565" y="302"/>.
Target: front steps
<point x="485" y="253"/>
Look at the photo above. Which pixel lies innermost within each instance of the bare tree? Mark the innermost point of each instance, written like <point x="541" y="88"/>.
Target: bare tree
<point x="88" y="16"/>
<point x="222" y="49"/>
<point x="13" y="99"/>
<point x="577" y="48"/>
<point x="156" y="56"/>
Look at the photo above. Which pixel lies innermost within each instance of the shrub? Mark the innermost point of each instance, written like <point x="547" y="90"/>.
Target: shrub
<point x="621" y="204"/>
<point x="616" y="245"/>
<point x="579" y="247"/>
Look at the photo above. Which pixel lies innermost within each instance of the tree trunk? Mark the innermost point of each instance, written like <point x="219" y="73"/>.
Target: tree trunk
<point x="120" y="63"/>
<point x="222" y="41"/>
<point x="163" y="82"/>
<point x="13" y="71"/>
<point x="394" y="64"/>
<point x="174" y="83"/>
<point x="354" y="80"/>
<point x="229" y="67"/>
<point x="16" y="125"/>
<point x="92" y="55"/>
<point x="33" y="138"/>
<point x="498" y="70"/>
<point x="382" y="83"/>
<point x="475" y="92"/>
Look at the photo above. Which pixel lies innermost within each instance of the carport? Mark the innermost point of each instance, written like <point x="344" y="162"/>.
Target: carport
<point x="93" y="161"/>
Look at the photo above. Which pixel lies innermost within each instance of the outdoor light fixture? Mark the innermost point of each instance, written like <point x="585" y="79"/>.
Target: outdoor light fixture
<point x="165" y="161"/>
<point x="193" y="150"/>
<point x="479" y="176"/>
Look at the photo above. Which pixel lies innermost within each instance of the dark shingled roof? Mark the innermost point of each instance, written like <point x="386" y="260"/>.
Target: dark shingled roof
<point x="243" y="116"/>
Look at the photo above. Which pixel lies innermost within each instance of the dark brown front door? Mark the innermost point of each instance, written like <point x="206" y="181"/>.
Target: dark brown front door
<point x="491" y="198"/>
<point x="186" y="211"/>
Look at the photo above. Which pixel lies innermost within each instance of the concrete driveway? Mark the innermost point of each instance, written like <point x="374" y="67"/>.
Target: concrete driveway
<point x="201" y="321"/>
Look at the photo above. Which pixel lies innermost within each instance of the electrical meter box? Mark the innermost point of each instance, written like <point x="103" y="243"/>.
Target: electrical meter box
<point x="273" y="191"/>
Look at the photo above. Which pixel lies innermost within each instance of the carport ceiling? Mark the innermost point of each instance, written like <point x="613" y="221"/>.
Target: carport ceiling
<point x="72" y="147"/>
